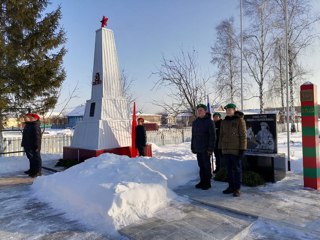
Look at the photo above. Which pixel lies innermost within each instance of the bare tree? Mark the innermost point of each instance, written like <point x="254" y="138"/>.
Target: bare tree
<point x="300" y="35"/>
<point x="126" y="87"/>
<point x="277" y="84"/>
<point x="225" y="55"/>
<point x="67" y="100"/>
<point x="185" y="85"/>
<point x="258" y="43"/>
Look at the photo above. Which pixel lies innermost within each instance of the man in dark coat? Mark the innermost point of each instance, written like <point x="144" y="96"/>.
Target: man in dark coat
<point x="31" y="142"/>
<point x="217" y="153"/>
<point x="202" y="144"/>
<point x="141" y="137"/>
<point x="233" y="143"/>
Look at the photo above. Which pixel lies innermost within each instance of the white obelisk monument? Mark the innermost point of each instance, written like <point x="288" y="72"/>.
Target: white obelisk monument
<point x="106" y="122"/>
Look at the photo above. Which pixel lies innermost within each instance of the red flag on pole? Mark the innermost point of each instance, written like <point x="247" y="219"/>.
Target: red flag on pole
<point x="133" y="132"/>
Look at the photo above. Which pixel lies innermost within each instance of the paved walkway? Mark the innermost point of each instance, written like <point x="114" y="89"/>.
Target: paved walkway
<point x="284" y="210"/>
<point x="23" y="217"/>
<point x="189" y="221"/>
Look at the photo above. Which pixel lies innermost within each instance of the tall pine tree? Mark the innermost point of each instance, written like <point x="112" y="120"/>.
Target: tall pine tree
<point x="31" y="55"/>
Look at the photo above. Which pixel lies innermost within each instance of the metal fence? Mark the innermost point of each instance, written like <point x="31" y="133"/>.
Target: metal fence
<point x="170" y="136"/>
<point x="54" y="143"/>
<point x="50" y="144"/>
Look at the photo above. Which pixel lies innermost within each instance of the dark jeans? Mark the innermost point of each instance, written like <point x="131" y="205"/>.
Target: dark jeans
<point x="141" y="150"/>
<point x="205" y="167"/>
<point x="34" y="159"/>
<point x="217" y="155"/>
<point x="234" y="168"/>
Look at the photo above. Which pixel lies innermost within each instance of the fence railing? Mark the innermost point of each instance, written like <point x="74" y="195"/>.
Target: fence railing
<point x="50" y="144"/>
<point x="54" y="143"/>
<point x="171" y="136"/>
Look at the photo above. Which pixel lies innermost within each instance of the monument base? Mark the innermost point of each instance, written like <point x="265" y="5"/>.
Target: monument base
<point x="80" y="154"/>
<point x="272" y="167"/>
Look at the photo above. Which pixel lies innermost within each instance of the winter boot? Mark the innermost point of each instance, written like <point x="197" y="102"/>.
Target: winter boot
<point x="199" y="185"/>
<point x="228" y="191"/>
<point x="236" y="193"/>
<point x="206" y="186"/>
<point x="27" y="172"/>
<point x="34" y="175"/>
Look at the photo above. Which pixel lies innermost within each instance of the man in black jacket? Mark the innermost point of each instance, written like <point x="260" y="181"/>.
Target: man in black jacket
<point x="202" y="144"/>
<point x="31" y="142"/>
<point x="141" y="137"/>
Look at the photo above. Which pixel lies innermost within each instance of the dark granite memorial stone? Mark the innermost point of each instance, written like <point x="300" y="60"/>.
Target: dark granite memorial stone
<point x="262" y="153"/>
<point x="262" y="133"/>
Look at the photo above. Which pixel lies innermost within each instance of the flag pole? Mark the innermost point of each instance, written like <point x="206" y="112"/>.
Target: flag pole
<point x="287" y="80"/>
<point x="133" y="132"/>
<point x="241" y="54"/>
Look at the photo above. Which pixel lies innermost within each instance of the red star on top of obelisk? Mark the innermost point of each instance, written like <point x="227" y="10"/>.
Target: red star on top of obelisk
<point x="104" y="21"/>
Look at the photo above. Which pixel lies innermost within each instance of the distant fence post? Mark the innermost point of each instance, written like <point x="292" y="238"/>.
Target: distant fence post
<point x="162" y="139"/>
<point x="182" y="134"/>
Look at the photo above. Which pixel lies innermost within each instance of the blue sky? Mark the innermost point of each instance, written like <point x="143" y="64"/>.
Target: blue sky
<point x="145" y="30"/>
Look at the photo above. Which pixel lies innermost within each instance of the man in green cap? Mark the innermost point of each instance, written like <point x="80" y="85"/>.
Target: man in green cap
<point x="202" y="144"/>
<point x="233" y="143"/>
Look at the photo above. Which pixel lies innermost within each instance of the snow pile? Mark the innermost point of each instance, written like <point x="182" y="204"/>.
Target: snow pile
<point x="109" y="192"/>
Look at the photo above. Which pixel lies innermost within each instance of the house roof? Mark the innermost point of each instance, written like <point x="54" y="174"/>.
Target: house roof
<point x="148" y="114"/>
<point x="185" y="114"/>
<point x="77" y="112"/>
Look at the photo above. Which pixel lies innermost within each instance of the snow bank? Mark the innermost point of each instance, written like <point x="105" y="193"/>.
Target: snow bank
<point x="109" y="192"/>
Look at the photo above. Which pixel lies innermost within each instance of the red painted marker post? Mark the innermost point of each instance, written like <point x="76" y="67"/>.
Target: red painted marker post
<point x="310" y="135"/>
<point x="133" y="132"/>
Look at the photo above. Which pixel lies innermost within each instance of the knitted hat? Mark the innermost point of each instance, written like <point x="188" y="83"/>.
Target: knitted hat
<point x="140" y="119"/>
<point x="33" y="115"/>
<point x="202" y="106"/>
<point x="230" y="105"/>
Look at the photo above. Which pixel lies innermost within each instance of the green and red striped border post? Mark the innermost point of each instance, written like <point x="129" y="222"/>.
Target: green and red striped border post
<point x="310" y="135"/>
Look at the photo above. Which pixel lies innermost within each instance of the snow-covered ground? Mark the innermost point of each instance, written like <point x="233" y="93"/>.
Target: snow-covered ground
<point x="295" y="150"/>
<point x="109" y="192"/>
<point x="19" y="164"/>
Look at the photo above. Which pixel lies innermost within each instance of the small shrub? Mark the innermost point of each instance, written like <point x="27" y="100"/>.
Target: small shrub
<point x="252" y="179"/>
<point x="221" y="176"/>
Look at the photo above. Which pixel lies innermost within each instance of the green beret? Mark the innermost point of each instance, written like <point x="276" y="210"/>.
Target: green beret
<point x="217" y="114"/>
<point x="202" y="106"/>
<point x="230" y="105"/>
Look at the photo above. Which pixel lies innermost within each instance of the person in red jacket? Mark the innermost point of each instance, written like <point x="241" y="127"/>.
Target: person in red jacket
<point x="31" y="142"/>
<point x="141" y="137"/>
